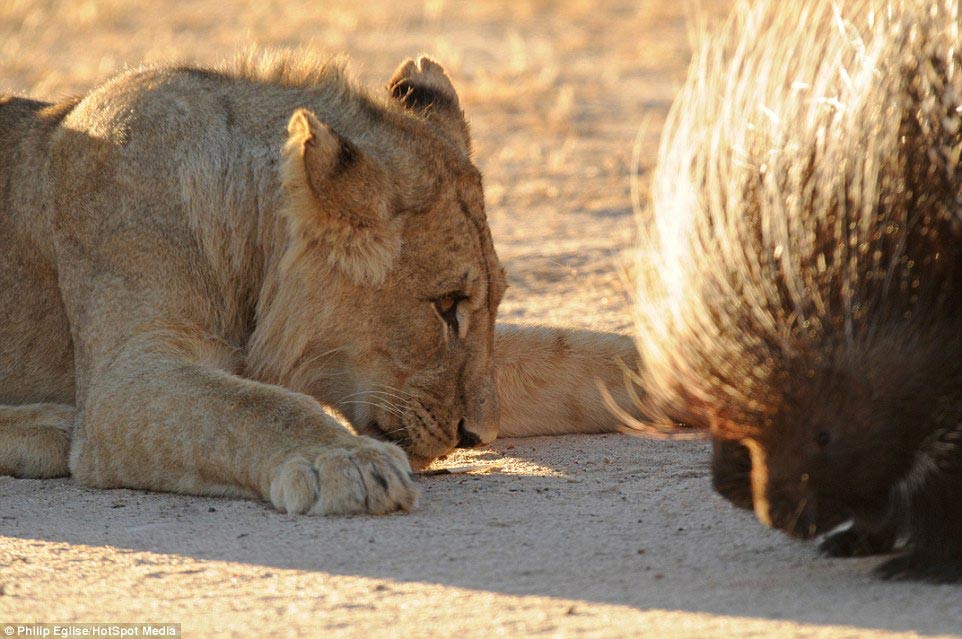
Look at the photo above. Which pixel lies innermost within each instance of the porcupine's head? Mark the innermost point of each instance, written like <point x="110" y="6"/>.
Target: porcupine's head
<point x="800" y="276"/>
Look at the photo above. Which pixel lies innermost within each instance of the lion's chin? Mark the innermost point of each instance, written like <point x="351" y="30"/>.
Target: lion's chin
<point x="417" y="459"/>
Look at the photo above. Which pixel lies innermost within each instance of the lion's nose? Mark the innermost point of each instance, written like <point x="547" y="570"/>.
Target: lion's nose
<point x="467" y="439"/>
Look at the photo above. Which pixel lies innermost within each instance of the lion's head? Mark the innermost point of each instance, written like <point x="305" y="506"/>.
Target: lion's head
<point x="384" y="301"/>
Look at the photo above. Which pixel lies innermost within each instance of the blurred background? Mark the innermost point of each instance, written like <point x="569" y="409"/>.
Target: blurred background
<point x="555" y="92"/>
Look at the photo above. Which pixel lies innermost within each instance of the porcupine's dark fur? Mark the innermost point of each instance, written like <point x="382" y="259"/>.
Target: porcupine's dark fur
<point x="800" y="284"/>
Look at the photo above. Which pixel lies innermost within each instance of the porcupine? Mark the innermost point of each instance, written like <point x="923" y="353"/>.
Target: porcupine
<point x="800" y="273"/>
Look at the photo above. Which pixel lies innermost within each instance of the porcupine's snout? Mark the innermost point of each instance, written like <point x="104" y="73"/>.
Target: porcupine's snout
<point x="782" y="500"/>
<point x="794" y="511"/>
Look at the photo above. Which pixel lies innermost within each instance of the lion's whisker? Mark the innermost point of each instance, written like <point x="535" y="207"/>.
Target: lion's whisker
<point x="391" y="409"/>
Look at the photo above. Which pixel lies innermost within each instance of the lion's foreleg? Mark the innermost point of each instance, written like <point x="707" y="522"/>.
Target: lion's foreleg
<point x="35" y="440"/>
<point x="548" y="379"/>
<point x="161" y="421"/>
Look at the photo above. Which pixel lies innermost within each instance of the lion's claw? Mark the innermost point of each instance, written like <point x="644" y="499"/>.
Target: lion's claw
<point x="367" y="477"/>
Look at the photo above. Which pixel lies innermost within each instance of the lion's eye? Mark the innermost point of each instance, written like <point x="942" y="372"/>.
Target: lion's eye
<point x="447" y="308"/>
<point x="446" y="303"/>
<point x="823" y="438"/>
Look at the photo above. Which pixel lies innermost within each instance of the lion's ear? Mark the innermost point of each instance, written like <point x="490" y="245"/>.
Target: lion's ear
<point x="422" y="86"/>
<point x="337" y="198"/>
<point x="324" y="152"/>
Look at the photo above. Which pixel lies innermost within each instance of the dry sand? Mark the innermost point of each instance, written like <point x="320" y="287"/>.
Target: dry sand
<point x="596" y="536"/>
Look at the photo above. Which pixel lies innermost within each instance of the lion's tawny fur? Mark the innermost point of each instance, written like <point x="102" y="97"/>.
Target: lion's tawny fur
<point x="203" y="272"/>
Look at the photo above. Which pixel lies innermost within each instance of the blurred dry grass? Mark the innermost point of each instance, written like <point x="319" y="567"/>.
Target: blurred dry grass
<point x="555" y="92"/>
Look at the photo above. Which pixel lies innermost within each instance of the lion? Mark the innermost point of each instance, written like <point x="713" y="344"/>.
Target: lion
<point x="264" y="281"/>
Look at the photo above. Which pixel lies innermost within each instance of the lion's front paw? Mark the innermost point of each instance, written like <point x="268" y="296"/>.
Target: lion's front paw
<point x="366" y="477"/>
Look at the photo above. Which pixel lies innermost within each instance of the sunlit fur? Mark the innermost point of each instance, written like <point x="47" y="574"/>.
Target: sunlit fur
<point x="800" y="273"/>
<point x="205" y="272"/>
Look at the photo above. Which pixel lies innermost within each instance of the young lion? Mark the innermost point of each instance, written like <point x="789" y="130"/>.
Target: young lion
<point x="196" y="265"/>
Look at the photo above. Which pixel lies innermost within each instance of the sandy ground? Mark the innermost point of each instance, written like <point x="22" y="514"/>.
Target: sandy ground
<point x="604" y="536"/>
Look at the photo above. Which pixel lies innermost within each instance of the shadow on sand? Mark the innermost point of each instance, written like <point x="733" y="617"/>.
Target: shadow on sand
<point x="606" y="519"/>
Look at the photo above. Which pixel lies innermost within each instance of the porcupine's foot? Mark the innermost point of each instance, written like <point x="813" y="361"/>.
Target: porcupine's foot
<point x="935" y="552"/>
<point x="916" y="567"/>
<point x="857" y="541"/>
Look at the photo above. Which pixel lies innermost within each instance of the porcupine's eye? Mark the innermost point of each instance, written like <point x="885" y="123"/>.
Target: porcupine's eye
<point x="823" y="438"/>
